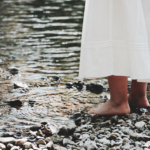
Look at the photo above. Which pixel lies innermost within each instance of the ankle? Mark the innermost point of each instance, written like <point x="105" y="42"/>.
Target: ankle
<point x="137" y="96"/>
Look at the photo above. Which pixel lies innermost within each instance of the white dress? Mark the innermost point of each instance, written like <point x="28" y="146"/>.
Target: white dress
<point x="116" y="39"/>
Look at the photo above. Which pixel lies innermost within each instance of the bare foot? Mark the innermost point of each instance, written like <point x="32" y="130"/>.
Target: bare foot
<point x="109" y="108"/>
<point x="139" y="102"/>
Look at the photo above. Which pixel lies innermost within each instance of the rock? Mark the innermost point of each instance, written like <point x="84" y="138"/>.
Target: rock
<point x="6" y="140"/>
<point x="50" y="145"/>
<point x="63" y="130"/>
<point x="70" y="126"/>
<point x="126" y="146"/>
<point x="140" y="124"/>
<point x="68" y="141"/>
<point x="27" y="145"/>
<point x="57" y="147"/>
<point x="90" y="145"/>
<point x="50" y="129"/>
<point x="40" y="141"/>
<point x="35" y="128"/>
<point x="20" y="141"/>
<point x="48" y="139"/>
<point x="114" y="119"/>
<point x="9" y="145"/>
<point x="147" y="144"/>
<point x="13" y="70"/>
<point x="56" y="138"/>
<point x="2" y="146"/>
<point x="84" y="136"/>
<point x="105" y="124"/>
<point x="8" y="134"/>
<point x="104" y="141"/>
<point x="18" y="84"/>
<point x="15" y="148"/>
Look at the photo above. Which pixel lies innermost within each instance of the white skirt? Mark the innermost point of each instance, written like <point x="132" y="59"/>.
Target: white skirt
<point x="116" y="39"/>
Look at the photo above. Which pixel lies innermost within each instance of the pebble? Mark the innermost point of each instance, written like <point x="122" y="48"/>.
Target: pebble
<point x="140" y="124"/>
<point x="2" y="146"/>
<point x="20" y="141"/>
<point x="27" y="145"/>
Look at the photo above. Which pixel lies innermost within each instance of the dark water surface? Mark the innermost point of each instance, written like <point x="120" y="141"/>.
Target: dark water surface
<point x="41" y="37"/>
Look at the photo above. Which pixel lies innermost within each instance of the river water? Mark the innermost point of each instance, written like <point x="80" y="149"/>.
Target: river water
<point x="41" y="37"/>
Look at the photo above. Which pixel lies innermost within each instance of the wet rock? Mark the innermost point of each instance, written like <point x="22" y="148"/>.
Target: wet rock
<point x="57" y="147"/>
<point x="16" y="103"/>
<point x="15" y="148"/>
<point x="95" y="88"/>
<point x="13" y="70"/>
<point x="8" y="134"/>
<point x="50" y="145"/>
<point x="56" y="138"/>
<point x="63" y="130"/>
<point x="6" y="140"/>
<point x="67" y="141"/>
<point x="140" y="124"/>
<point x="18" y="84"/>
<point x="35" y="128"/>
<point x="79" y="85"/>
<point x="2" y="146"/>
<point x="20" y="141"/>
<point x="40" y="141"/>
<point x="68" y="85"/>
<point x="50" y="129"/>
<point x="90" y="145"/>
<point x="27" y="145"/>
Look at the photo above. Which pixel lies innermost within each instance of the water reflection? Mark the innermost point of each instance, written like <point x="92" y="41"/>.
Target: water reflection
<point x="41" y="37"/>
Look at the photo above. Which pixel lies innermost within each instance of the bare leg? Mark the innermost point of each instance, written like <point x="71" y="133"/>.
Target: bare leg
<point x="118" y="103"/>
<point x="137" y="96"/>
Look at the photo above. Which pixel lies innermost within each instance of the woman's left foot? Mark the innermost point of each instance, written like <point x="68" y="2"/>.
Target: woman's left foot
<point x="109" y="108"/>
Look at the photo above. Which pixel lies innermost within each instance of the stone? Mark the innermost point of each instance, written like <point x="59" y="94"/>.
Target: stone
<point x="15" y="148"/>
<point x="56" y="138"/>
<point x="126" y="146"/>
<point x="84" y="136"/>
<point x="6" y="140"/>
<point x="50" y="129"/>
<point x="104" y="141"/>
<point x="58" y="147"/>
<point x="2" y="146"/>
<point x="9" y="145"/>
<point x="41" y="141"/>
<point x="90" y="145"/>
<point x="20" y="141"/>
<point x="68" y="141"/>
<point x="105" y="124"/>
<point x="140" y="124"/>
<point x="27" y="145"/>
<point x="50" y="145"/>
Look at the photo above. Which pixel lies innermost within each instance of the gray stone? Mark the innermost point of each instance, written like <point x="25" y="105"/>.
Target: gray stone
<point x="41" y="141"/>
<point x="140" y="124"/>
<point x="2" y="146"/>
<point x="50" y="145"/>
<point x="90" y="145"/>
<point x="104" y="141"/>
<point x="57" y="147"/>
<point x="6" y="140"/>
<point x="27" y="145"/>
<point x="50" y="129"/>
<point x="15" y="148"/>
<point x="68" y="141"/>
<point x="20" y="141"/>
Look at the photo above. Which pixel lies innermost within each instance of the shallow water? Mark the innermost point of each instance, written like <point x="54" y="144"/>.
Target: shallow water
<point x="41" y="37"/>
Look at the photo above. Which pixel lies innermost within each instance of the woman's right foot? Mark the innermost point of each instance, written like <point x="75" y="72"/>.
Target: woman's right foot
<point x="139" y="102"/>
